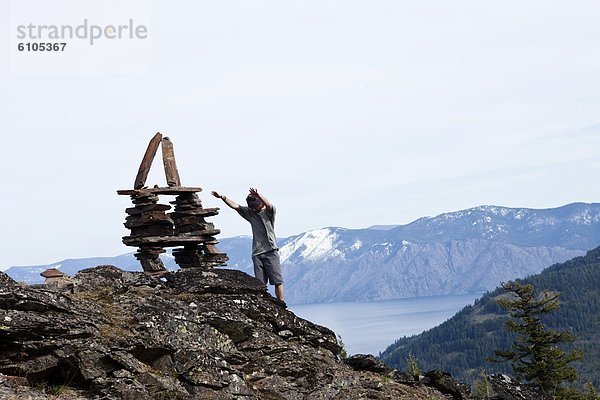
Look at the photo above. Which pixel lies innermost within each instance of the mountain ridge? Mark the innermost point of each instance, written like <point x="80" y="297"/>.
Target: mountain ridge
<point x="464" y="251"/>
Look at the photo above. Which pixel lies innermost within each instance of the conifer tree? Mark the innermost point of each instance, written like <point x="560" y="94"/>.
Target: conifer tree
<point x="535" y="356"/>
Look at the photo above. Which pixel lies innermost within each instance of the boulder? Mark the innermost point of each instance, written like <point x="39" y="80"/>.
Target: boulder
<point x="507" y="388"/>
<point x="446" y="384"/>
<point x="367" y="362"/>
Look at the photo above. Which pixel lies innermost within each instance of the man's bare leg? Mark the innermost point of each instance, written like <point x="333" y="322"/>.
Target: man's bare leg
<point x="279" y="292"/>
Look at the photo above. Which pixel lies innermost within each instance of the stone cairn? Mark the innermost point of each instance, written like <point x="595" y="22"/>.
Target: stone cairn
<point x="153" y="229"/>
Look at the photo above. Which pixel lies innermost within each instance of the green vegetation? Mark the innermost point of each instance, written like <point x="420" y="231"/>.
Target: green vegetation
<point x="340" y="342"/>
<point x="412" y="366"/>
<point x="534" y="355"/>
<point x="462" y="344"/>
<point x="482" y="387"/>
<point x="590" y="392"/>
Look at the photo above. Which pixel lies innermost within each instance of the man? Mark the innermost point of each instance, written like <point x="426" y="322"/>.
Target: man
<point x="265" y="253"/>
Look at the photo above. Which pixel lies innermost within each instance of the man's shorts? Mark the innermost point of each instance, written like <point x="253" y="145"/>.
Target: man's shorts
<point x="267" y="267"/>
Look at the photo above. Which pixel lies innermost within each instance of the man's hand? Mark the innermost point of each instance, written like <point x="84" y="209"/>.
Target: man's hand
<point x="254" y="192"/>
<point x="217" y="195"/>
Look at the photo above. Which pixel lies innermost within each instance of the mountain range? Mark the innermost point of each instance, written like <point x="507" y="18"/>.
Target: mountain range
<point x="460" y="252"/>
<point x="465" y="251"/>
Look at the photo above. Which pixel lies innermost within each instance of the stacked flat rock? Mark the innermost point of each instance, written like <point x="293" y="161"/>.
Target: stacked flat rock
<point x="145" y="219"/>
<point x="189" y="215"/>
<point x="189" y="220"/>
<point x="212" y="255"/>
<point x="200" y="255"/>
<point x="152" y="229"/>
<point x="149" y="257"/>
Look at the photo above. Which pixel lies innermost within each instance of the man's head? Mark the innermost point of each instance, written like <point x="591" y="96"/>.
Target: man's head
<point x="254" y="203"/>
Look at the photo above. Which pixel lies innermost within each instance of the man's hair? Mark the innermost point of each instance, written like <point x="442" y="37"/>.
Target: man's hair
<point x="253" y="201"/>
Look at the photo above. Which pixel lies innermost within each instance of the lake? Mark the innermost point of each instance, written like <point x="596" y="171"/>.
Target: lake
<point x="371" y="327"/>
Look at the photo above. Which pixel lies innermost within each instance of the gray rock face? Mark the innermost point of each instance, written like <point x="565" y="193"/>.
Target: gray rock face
<point x="507" y="388"/>
<point x="193" y="334"/>
<point x="386" y="271"/>
<point x="6" y="281"/>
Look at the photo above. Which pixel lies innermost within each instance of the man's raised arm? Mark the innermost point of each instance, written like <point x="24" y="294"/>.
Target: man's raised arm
<point x="266" y="202"/>
<point x="227" y="200"/>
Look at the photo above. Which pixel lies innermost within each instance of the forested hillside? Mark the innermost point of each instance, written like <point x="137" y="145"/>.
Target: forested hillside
<point x="462" y="344"/>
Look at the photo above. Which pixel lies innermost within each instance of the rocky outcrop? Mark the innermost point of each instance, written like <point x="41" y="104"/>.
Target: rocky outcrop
<point x="192" y="334"/>
<point x="367" y="362"/>
<point x="446" y="384"/>
<point x="507" y="388"/>
<point x="6" y="282"/>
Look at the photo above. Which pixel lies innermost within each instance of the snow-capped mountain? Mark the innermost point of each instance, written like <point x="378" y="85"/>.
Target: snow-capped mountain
<point x="460" y="252"/>
<point x="573" y="226"/>
<point x="465" y="251"/>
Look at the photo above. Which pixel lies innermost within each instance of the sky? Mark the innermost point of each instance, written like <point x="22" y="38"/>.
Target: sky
<point x="342" y="113"/>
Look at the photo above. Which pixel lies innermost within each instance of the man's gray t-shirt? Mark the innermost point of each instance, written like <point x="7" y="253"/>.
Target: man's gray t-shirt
<point x="263" y="228"/>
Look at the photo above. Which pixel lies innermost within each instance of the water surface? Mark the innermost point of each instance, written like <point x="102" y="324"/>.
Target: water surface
<point x="371" y="327"/>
